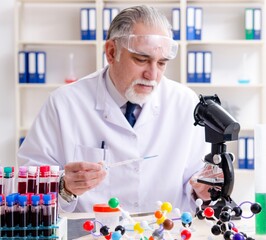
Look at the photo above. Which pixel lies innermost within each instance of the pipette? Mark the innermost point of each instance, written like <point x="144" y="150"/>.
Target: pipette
<point x="129" y="161"/>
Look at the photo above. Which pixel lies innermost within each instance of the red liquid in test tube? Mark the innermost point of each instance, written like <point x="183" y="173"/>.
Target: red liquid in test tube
<point x="32" y="177"/>
<point x="54" y="179"/>
<point x="44" y="185"/>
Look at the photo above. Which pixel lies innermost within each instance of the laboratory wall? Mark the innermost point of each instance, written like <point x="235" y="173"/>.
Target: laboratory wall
<point x="7" y="89"/>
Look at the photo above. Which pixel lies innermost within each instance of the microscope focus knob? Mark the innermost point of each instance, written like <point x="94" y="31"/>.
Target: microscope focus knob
<point x="217" y="159"/>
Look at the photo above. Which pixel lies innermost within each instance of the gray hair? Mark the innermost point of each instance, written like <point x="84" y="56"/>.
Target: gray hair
<point x="123" y="23"/>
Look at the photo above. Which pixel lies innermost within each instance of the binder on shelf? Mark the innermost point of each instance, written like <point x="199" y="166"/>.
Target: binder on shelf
<point x="242" y="153"/>
<point x="32" y="67"/>
<point x="23" y="66"/>
<point x="92" y="23"/>
<point x="250" y="153"/>
<point x="41" y="67"/>
<point x="106" y="21"/>
<point x="176" y="23"/>
<point x="249" y="23"/>
<point x="257" y="23"/>
<point x="114" y="12"/>
<point x="84" y="23"/>
<point x="199" y="67"/>
<point x="88" y="23"/>
<point x="207" y="66"/>
<point x="198" y="23"/>
<point x="190" y="23"/>
<point x="191" y="63"/>
<point x="108" y="15"/>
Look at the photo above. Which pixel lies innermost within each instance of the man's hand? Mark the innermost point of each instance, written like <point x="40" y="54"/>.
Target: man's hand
<point x="83" y="176"/>
<point x="201" y="189"/>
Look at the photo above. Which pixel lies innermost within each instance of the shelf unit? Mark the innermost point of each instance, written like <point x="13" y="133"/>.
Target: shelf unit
<point x="54" y="26"/>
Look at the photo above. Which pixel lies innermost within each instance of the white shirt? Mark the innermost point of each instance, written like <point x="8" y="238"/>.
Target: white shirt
<point x="77" y="117"/>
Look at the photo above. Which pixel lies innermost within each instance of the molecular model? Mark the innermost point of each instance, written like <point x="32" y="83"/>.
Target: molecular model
<point x="154" y="230"/>
<point x="224" y="225"/>
<point x="160" y="228"/>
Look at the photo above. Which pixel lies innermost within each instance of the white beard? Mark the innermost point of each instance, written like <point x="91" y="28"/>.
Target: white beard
<point x="138" y="98"/>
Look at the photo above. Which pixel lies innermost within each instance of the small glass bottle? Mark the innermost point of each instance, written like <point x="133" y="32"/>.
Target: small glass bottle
<point x="71" y="77"/>
<point x="22" y="179"/>
<point x="32" y="179"/>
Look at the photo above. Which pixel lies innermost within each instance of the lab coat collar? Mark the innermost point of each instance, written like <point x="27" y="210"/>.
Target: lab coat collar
<point x="112" y="112"/>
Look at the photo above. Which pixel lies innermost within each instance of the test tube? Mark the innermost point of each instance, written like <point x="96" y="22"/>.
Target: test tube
<point x="44" y="179"/>
<point x="35" y="214"/>
<point x="8" y="181"/>
<point x="47" y="215"/>
<point x="22" y="199"/>
<point x="29" y="195"/>
<point x="1" y="180"/>
<point x="54" y="179"/>
<point x="10" y="203"/>
<point x="22" y="179"/>
<point x="54" y="189"/>
<point x="53" y="208"/>
<point x="16" y="210"/>
<point x="32" y="179"/>
<point x="2" y="214"/>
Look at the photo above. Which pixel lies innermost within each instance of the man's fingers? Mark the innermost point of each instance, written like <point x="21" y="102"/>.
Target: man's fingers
<point x="82" y="166"/>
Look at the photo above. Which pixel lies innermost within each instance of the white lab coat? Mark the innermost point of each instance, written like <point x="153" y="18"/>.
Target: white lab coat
<point x="76" y="118"/>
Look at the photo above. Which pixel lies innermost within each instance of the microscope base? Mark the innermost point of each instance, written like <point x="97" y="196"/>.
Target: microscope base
<point x="217" y="207"/>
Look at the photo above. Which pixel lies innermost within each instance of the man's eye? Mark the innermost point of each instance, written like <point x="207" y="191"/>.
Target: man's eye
<point x="141" y="60"/>
<point x="162" y="63"/>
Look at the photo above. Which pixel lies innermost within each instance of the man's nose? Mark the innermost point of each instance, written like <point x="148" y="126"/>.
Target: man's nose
<point x="151" y="71"/>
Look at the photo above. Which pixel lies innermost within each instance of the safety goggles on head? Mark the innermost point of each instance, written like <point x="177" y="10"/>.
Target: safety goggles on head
<point x="150" y="45"/>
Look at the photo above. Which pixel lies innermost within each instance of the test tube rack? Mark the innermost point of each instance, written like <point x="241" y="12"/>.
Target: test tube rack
<point x="59" y="231"/>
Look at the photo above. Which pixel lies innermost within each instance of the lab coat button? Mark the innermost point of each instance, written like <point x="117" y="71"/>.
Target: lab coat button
<point x="136" y="204"/>
<point x="136" y="169"/>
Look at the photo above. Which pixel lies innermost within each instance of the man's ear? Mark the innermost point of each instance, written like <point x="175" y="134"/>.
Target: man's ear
<point x="110" y="51"/>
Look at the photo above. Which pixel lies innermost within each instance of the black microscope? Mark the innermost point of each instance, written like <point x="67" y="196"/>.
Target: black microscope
<point x="220" y="127"/>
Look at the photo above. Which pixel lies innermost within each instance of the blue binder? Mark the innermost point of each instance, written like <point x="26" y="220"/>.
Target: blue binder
<point x="84" y="23"/>
<point x="257" y="23"/>
<point x="23" y="66"/>
<point x="41" y="67"/>
<point x="92" y="23"/>
<point x="108" y="15"/>
<point x="176" y="23"/>
<point x="190" y="23"/>
<point x="191" y="66"/>
<point x="242" y="153"/>
<point x="106" y="21"/>
<point x="199" y="67"/>
<point x="207" y="66"/>
<point x="198" y="23"/>
<point x="32" y="67"/>
<point x="250" y="152"/>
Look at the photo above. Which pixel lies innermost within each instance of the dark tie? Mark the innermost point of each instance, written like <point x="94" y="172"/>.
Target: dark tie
<point x="130" y="113"/>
